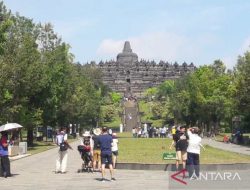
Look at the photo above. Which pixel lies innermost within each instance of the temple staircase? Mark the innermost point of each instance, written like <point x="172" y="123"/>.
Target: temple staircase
<point x="131" y="116"/>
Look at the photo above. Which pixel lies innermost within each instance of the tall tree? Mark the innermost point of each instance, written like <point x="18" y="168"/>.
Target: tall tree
<point x="242" y="82"/>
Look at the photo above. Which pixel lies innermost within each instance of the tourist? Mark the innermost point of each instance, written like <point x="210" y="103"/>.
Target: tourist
<point x="164" y="132"/>
<point x="181" y="147"/>
<point x="139" y="133"/>
<point x="5" y="162"/>
<point x="114" y="149"/>
<point x="110" y="132"/>
<point x="61" y="141"/>
<point x="105" y="141"/>
<point x="173" y="132"/>
<point x="145" y="130"/>
<point x="134" y="133"/>
<point x="193" y="152"/>
<point x="88" y="146"/>
<point x="161" y="135"/>
<point x="96" y="150"/>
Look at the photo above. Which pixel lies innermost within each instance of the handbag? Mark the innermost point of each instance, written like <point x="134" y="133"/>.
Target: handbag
<point x="63" y="145"/>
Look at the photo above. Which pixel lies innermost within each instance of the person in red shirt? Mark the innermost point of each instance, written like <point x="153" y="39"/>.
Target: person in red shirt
<point x="5" y="162"/>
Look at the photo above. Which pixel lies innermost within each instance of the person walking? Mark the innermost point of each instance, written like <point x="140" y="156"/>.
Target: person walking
<point x="105" y="141"/>
<point x="61" y="161"/>
<point x="4" y="154"/>
<point x="193" y="152"/>
<point x="114" y="149"/>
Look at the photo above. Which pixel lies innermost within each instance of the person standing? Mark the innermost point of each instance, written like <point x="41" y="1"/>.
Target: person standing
<point x="173" y="131"/>
<point x="134" y="132"/>
<point x="114" y="149"/>
<point x="193" y="152"/>
<point x="181" y="146"/>
<point x="61" y="162"/>
<point x="5" y="162"/>
<point x="96" y="150"/>
<point x="105" y="141"/>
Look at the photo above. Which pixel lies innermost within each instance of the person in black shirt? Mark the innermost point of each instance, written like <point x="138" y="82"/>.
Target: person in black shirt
<point x="181" y="146"/>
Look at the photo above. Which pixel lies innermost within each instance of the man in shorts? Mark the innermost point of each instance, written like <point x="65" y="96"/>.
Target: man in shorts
<point x="96" y="150"/>
<point x="181" y="147"/>
<point x="105" y="141"/>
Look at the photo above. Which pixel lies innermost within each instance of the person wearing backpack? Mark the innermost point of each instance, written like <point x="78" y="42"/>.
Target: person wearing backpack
<point x="61" y="141"/>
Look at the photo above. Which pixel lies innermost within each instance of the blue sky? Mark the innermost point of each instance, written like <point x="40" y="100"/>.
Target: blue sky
<point x="197" y="31"/>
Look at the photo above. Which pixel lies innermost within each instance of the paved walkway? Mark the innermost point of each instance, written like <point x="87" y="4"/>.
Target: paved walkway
<point x="37" y="172"/>
<point x="227" y="146"/>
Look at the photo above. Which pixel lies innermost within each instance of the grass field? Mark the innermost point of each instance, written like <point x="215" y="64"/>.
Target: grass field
<point x="147" y="116"/>
<point x="141" y="150"/>
<point x="40" y="147"/>
<point x="43" y="146"/>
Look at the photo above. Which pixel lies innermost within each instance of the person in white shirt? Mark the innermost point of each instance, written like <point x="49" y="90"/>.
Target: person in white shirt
<point x="61" y="161"/>
<point x="114" y="149"/>
<point x="193" y="152"/>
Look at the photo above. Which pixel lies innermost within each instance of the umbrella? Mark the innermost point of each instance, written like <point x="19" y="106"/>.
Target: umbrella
<point x="10" y="126"/>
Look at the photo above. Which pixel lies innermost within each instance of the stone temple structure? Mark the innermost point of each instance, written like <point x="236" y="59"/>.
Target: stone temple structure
<point x="128" y="74"/>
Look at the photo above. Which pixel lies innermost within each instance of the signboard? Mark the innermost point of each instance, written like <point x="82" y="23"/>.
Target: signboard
<point x="169" y="156"/>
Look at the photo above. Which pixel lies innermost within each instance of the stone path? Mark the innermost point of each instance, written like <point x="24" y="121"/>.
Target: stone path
<point x="227" y="146"/>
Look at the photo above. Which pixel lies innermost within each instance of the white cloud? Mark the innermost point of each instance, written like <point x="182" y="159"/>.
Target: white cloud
<point x="230" y="61"/>
<point x="245" y="46"/>
<point x="109" y="47"/>
<point x="153" y="46"/>
<point x="69" y="28"/>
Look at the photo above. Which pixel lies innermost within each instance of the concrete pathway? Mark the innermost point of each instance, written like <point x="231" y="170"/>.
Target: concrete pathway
<point x="227" y="146"/>
<point x="37" y="172"/>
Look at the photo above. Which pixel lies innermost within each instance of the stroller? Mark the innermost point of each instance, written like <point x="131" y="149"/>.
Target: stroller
<point x="85" y="153"/>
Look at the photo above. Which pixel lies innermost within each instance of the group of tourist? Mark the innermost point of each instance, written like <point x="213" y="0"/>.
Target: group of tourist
<point x="187" y="145"/>
<point x="101" y="148"/>
<point x="150" y="132"/>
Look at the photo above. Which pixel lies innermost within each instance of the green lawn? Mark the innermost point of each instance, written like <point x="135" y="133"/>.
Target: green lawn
<point x="115" y="123"/>
<point x="43" y="146"/>
<point x="147" y="116"/>
<point x="140" y="150"/>
<point x="40" y="147"/>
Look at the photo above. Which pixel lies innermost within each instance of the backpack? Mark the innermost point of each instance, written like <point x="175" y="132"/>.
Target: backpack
<point x="63" y="145"/>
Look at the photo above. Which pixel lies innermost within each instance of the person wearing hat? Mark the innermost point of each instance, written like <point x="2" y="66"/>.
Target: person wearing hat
<point x="87" y="141"/>
<point x="114" y="149"/>
<point x="96" y="150"/>
<point x="87" y="144"/>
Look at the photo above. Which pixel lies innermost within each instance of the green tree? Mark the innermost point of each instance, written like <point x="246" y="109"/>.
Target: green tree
<point x="242" y="83"/>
